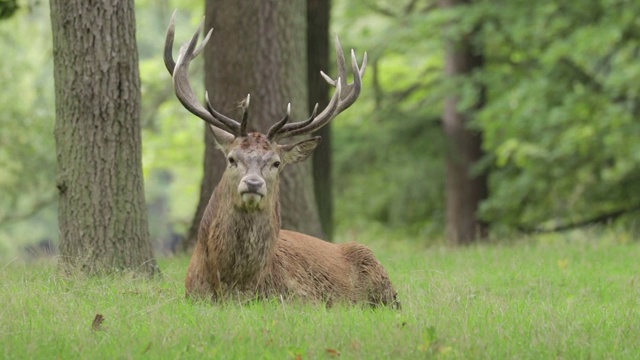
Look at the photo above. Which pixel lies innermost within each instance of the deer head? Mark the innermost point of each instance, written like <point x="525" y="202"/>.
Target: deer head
<point x="255" y="160"/>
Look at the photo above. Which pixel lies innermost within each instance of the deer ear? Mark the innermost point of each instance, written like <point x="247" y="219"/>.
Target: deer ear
<point x="223" y="138"/>
<point x="300" y="151"/>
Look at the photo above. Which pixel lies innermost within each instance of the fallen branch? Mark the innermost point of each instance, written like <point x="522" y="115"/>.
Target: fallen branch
<point x="597" y="220"/>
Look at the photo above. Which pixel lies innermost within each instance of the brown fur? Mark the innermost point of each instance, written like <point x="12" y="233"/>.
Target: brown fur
<point x="244" y="253"/>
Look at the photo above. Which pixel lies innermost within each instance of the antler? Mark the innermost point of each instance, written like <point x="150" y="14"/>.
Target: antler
<point x="226" y="128"/>
<point x="223" y="126"/>
<point x="344" y="96"/>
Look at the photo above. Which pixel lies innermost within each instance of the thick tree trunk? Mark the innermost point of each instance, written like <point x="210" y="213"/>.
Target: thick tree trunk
<point x="464" y="190"/>
<point x="258" y="47"/>
<point x="318" y="12"/>
<point x="102" y="213"/>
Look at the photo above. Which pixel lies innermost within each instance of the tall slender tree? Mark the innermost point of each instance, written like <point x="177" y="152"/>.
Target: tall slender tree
<point x="258" y="47"/>
<point x="102" y="213"/>
<point x="318" y="12"/>
<point x="464" y="190"/>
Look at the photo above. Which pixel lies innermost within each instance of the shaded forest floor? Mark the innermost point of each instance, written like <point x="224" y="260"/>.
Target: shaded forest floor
<point x="562" y="296"/>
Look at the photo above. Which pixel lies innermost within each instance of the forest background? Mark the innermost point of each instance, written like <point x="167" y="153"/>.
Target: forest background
<point x="559" y="119"/>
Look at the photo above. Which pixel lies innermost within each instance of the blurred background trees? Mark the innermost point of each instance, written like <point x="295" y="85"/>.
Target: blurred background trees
<point x="27" y="155"/>
<point x="559" y="119"/>
<point x="465" y="188"/>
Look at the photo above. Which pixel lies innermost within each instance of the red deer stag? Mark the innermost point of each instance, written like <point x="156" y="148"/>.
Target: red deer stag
<point x="241" y="250"/>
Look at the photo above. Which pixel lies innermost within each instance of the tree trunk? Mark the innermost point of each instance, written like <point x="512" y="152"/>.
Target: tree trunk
<point x="318" y="12"/>
<point x="258" y="47"/>
<point x="214" y="165"/>
<point x="464" y="190"/>
<point x="102" y="213"/>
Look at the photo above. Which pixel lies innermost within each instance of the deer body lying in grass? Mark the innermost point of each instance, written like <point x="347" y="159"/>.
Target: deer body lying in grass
<point x="241" y="249"/>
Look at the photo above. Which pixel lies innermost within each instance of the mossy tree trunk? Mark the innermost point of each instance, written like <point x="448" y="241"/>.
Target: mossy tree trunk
<point x="102" y="213"/>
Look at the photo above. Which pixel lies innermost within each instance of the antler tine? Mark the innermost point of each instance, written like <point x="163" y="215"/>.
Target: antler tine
<point x="224" y="128"/>
<point x="344" y="96"/>
<point x="353" y="90"/>
<point x="312" y="123"/>
<point x="183" y="88"/>
<point x="310" y="118"/>
<point x="168" y="44"/>
<point x="204" y="41"/>
<point x="276" y="134"/>
<point x="363" y="67"/>
<point x="245" y="115"/>
<point x="230" y="125"/>
<point x="273" y="131"/>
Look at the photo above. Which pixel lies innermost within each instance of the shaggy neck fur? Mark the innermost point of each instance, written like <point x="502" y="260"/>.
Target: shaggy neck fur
<point x="241" y="242"/>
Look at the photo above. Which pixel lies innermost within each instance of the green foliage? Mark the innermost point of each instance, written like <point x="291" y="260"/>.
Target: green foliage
<point x="8" y="8"/>
<point x="173" y="145"/>
<point x="560" y="122"/>
<point x="389" y="148"/>
<point x="572" y="296"/>
<point x="27" y="155"/>
<point x="172" y="152"/>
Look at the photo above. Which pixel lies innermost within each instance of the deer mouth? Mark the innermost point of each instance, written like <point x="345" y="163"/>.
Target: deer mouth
<point x="251" y="199"/>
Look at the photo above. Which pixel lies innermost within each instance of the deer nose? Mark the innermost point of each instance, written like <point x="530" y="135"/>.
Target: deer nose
<point x="253" y="184"/>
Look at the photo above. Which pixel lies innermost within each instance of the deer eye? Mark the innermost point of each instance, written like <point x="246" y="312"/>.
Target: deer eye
<point x="232" y="161"/>
<point x="276" y="164"/>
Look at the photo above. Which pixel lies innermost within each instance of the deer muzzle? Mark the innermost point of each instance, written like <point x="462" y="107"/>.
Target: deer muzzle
<point x="252" y="189"/>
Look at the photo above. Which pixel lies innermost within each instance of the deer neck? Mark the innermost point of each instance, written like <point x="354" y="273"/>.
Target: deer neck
<point x="242" y="242"/>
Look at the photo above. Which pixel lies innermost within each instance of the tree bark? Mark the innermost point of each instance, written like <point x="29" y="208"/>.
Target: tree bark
<point x="214" y="165"/>
<point x="258" y="47"/>
<point x="464" y="190"/>
<point x="318" y="12"/>
<point x="102" y="213"/>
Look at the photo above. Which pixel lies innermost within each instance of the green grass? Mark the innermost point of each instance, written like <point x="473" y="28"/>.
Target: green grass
<point x="569" y="297"/>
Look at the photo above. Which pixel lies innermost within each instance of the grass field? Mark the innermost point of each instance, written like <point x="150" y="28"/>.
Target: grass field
<point x="564" y="296"/>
